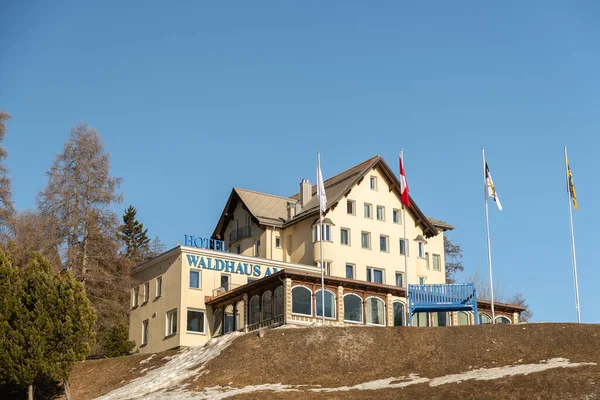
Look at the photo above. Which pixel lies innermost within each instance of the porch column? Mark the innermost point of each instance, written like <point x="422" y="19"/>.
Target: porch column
<point x="233" y="324"/>
<point x="287" y="297"/>
<point x="340" y="305"/>
<point x="390" y="310"/>
<point x="245" y="312"/>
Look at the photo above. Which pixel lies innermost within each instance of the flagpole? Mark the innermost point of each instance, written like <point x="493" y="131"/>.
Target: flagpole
<point x="408" y="322"/>
<point x="321" y="249"/>
<point x="487" y="225"/>
<point x="573" y="257"/>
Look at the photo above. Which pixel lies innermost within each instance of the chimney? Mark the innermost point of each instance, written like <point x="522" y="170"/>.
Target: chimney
<point x="291" y="210"/>
<point x="305" y="192"/>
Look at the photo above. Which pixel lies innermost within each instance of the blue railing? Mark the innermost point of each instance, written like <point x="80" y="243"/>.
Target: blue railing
<point x="454" y="297"/>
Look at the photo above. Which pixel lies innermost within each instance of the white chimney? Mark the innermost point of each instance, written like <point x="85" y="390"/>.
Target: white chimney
<point x="305" y="192"/>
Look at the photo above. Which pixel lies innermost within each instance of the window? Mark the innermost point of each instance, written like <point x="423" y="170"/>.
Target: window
<point x="421" y="280"/>
<point x="399" y="279"/>
<point x="257" y="248"/>
<point x="350" y="271"/>
<point x="326" y="233"/>
<point x="484" y="319"/>
<point x="248" y="220"/>
<point x="380" y="211"/>
<point x="351" y="207"/>
<point x="146" y="292"/>
<point x="353" y="308"/>
<point x="365" y="240"/>
<point x="396" y="216"/>
<point x="267" y="312"/>
<point x="254" y="311"/>
<point x="329" y="304"/>
<point x="345" y="236"/>
<point x="463" y="318"/>
<point x="327" y="265"/>
<point x="195" y="321"/>
<point x="301" y="300"/>
<point x="374" y="275"/>
<point x="420" y="319"/>
<point x="436" y="262"/>
<point x="403" y="246"/>
<point x="277" y="242"/>
<point x="440" y="318"/>
<point x="421" y="249"/>
<point x="373" y="182"/>
<point x="159" y="286"/>
<point x="375" y="311"/>
<point x="427" y="260"/>
<point x="398" y="313"/>
<point x="145" y="333"/>
<point x="225" y="282"/>
<point x="171" y="322"/>
<point x="136" y="295"/>
<point x="368" y="210"/>
<point x="278" y="303"/>
<point x="502" y="320"/>
<point x="194" y="279"/>
<point x="383" y="243"/>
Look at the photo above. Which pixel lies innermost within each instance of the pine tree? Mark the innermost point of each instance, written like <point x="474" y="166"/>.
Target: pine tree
<point x="134" y="236"/>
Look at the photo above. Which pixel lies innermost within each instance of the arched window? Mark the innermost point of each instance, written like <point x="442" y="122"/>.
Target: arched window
<point x="329" y="304"/>
<point x="484" y="319"/>
<point x="279" y="305"/>
<point x="229" y="319"/>
<point x="398" y="313"/>
<point x="375" y="311"/>
<point x="301" y="300"/>
<point x="217" y="322"/>
<point x="464" y="318"/>
<point x="254" y="310"/>
<point x="502" y="320"/>
<point x="353" y="308"/>
<point x="440" y="318"/>
<point x="266" y="306"/>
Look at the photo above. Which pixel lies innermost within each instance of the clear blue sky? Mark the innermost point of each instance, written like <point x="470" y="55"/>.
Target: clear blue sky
<point x="193" y="98"/>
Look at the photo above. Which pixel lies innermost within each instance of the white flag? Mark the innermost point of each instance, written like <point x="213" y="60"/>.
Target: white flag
<point x="321" y="188"/>
<point x="490" y="188"/>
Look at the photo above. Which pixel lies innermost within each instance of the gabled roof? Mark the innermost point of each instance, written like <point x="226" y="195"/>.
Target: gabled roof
<point x="271" y="210"/>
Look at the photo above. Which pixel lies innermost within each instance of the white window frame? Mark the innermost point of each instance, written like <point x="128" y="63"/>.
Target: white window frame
<point x="387" y="243"/>
<point x="199" y="279"/>
<point x="257" y="248"/>
<point x="480" y="313"/>
<point x="501" y="317"/>
<point x="423" y="279"/>
<point x="405" y="247"/>
<point x="403" y="277"/>
<point x="169" y="323"/>
<point x="421" y="249"/>
<point x="228" y="288"/>
<point x="468" y="314"/>
<point x="135" y="296"/>
<point x="159" y="286"/>
<point x="373" y="269"/>
<point x="145" y="324"/>
<point x="316" y="233"/>
<point x="353" y="266"/>
<point x="404" y="308"/>
<point x="399" y="222"/>
<point x="368" y="206"/>
<point x="277" y="242"/>
<point x="368" y="240"/>
<point x="334" y="305"/>
<point x="384" y="311"/>
<point x="204" y="321"/>
<point x="362" y="309"/>
<point x="327" y="266"/>
<point x="439" y="262"/>
<point x="373" y="182"/>
<point x="348" y="236"/>
<point x="382" y="208"/>
<point x="146" y="292"/>
<point x="262" y="308"/>
<point x="311" y="301"/>
<point x="353" y="207"/>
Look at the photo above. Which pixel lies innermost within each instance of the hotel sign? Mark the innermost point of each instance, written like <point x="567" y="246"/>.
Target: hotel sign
<point x="219" y="264"/>
<point x="204" y="243"/>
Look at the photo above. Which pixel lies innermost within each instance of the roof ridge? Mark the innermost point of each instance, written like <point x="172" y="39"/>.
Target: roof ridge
<point x="263" y="193"/>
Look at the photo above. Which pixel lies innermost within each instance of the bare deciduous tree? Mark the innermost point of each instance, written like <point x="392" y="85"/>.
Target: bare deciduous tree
<point x="7" y="209"/>
<point x="34" y="232"/>
<point x="79" y="194"/>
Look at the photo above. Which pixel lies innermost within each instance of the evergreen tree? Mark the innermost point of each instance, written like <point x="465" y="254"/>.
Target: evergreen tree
<point x="134" y="236"/>
<point x="116" y="341"/>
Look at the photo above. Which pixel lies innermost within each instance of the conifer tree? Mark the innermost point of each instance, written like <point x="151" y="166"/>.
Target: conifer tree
<point x="134" y="236"/>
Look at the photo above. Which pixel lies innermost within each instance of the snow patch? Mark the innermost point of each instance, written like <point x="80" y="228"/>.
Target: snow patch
<point x="145" y="360"/>
<point x="179" y="368"/>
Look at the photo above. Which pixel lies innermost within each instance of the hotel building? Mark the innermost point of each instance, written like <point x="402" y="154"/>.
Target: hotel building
<point x="262" y="265"/>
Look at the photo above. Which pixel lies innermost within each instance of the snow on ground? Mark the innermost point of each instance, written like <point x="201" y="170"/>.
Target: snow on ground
<point x="220" y="392"/>
<point x="180" y="367"/>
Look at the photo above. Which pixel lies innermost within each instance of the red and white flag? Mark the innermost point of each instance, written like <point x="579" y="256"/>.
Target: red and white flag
<point x="403" y="184"/>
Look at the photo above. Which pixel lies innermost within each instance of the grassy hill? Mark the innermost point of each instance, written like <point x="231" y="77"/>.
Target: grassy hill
<point x="545" y="361"/>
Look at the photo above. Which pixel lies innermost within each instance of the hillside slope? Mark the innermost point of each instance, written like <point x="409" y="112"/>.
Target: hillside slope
<point x="501" y="361"/>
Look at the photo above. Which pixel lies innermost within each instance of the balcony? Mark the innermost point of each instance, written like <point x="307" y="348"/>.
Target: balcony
<point x="454" y="297"/>
<point x="239" y="234"/>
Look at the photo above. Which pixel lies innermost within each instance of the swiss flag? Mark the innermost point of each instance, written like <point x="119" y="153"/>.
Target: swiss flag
<point x="403" y="184"/>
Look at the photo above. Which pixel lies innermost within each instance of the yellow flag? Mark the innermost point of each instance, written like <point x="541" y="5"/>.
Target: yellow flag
<point x="571" y="185"/>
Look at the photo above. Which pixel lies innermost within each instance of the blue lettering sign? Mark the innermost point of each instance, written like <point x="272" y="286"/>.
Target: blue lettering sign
<point x="204" y="243"/>
<point x="193" y="260"/>
<point x="256" y="270"/>
<point x="228" y="266"/>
